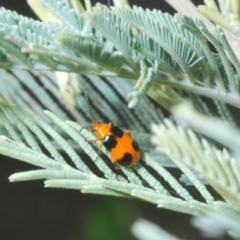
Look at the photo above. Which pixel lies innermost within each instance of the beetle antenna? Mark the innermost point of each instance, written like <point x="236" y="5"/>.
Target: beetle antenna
<point x="88" y="104"/>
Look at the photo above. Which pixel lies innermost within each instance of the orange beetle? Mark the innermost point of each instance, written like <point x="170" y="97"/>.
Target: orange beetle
<point x="123" y="149"/>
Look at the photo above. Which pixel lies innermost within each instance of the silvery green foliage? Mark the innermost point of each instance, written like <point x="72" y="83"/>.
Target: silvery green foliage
<point x="124" y="42"/>
<point x="215" y="224"/>
<point x="27" y="135"/>
<point x="145" y="230"/>
<point x="167" y="56"/>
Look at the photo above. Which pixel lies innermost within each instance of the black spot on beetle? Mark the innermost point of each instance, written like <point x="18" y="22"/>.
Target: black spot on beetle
<point x="109" y="142"/>
<point x="116" y="131"/>
<point x="125" y="160"/>
<point x="135" y="146"/>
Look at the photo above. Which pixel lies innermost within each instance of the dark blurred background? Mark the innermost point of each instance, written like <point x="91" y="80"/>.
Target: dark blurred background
<point x="28" y="211"/>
